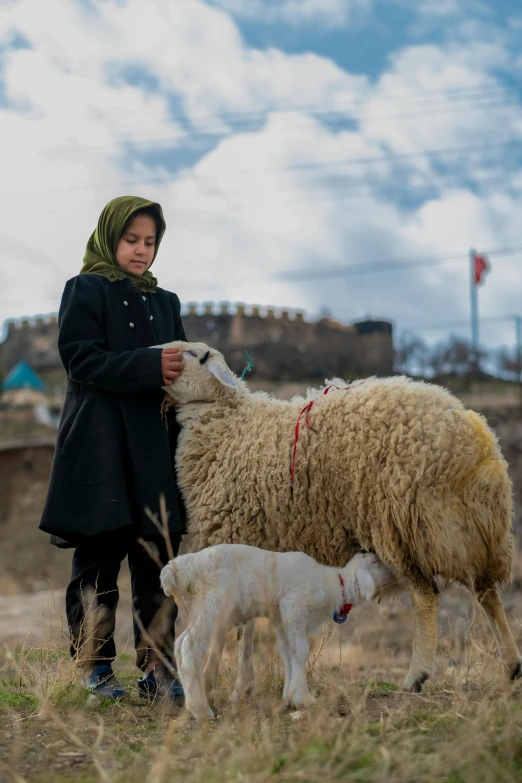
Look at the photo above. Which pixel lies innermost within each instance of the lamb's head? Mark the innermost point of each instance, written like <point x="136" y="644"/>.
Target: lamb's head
<point x="366" y="576"/>
<point x="205" y="377"/>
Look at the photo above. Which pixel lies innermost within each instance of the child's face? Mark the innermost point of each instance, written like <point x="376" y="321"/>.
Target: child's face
<point x="135" y="250"/>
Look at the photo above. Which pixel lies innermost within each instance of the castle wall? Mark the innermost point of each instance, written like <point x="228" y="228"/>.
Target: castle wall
<point x="34" y="342"/>
<point x="282" y="345"/>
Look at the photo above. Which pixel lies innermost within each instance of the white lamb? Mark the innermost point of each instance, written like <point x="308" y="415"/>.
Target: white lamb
<point x="234" y="583"/>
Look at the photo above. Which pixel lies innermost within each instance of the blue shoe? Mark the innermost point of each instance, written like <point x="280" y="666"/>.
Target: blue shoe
<point x="160" y="684"/>
<point x="102" y="683"/>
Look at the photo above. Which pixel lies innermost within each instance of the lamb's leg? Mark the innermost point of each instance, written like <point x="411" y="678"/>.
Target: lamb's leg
<point x="177" y="648"/>
<point x="489" y="598"/>
<point x="425" y="607"/>
<point x="219" y="637"/>
<point x="294" y="628"/>
<point x="245" y="659"/>
<point x="190" y="650"/>
<point x="282" y="644"/>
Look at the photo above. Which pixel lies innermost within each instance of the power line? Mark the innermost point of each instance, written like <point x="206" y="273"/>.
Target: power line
<point x="354" y="190"/>
<point x="396" y="97"/>
<point x="476" y="94"/>
<point x="400" y="157"/>
<point x="388" y="158"/>
<point x="475" y="100"/>
<point x="220" y="129"/>
<point x="457" y="324"/>
<point x="390" y="265"/>
<point x="486" y="91"/>
<point x="378" y="267"/>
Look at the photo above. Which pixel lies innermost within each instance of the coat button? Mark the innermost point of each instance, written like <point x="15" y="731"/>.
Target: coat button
<point x="125" y="303"/>
<point x="151" y="318"/>
<point x="131" y="325"/>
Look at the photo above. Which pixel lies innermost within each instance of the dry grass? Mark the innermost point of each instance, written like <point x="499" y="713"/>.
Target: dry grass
<point x="466" y="727"/>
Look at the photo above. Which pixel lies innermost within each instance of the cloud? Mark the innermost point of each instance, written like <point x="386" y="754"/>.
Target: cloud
<point x="305" y="164"/>
<point x="296" y="13"/>
<point x="196" y="52"/>
<point x="437" y="96"/>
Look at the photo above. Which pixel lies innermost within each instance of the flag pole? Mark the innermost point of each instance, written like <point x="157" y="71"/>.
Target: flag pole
<point x="474" y="310"/>
<point x="518" y="328"/>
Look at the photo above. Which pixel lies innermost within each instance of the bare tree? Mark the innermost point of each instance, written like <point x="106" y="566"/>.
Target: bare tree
<point x="455" y="357"/>
<point x="509" y="364"/>
<point x="412" y="355"/>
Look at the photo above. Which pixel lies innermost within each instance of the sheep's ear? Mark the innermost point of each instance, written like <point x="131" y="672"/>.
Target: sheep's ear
<point x="220" y="371"/>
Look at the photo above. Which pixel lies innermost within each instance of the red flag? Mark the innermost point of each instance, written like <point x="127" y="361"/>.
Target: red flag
<point x="480" y="267"/>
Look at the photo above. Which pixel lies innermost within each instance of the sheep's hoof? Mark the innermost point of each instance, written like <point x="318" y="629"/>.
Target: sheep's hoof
<point x="300" y="701"/>
<point x="202" y="714"/>
<point x="516" y="671"/>
<point x="414" y="684"/>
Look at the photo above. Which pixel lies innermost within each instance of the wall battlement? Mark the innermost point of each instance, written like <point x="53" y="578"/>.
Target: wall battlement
<point x="281" y="342"/>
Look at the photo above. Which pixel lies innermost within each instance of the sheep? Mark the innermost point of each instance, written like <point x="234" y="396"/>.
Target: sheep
<point x="392" y="466"/>
<point x="234" y="583"/>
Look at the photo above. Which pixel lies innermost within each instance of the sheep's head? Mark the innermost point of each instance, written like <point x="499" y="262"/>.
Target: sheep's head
<point x="205" y="377"/>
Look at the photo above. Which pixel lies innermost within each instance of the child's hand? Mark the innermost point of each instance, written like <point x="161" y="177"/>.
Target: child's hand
<point x="171" y="365"/>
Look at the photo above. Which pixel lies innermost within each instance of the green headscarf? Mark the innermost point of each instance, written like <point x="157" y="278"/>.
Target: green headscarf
<point x="99" y="258"/>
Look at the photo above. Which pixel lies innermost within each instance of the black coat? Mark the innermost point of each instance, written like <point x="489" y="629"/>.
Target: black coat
<point x="113" y="453"/>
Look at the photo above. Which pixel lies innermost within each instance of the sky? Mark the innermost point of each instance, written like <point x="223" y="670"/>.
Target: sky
<point x="337" y="156"/>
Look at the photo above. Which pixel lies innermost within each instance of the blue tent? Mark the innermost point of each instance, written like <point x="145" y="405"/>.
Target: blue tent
<point x="22" y="376"/>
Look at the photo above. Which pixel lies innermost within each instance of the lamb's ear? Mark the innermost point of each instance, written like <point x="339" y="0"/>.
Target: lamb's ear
<point x="220" y="371"/>
<point x="364" y="583"/>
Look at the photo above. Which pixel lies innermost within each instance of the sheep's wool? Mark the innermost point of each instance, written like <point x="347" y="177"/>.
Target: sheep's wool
<point x="391" y="465"/>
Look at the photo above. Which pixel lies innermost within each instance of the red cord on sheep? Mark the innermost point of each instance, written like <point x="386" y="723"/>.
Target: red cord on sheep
<point x="308" y="408"/>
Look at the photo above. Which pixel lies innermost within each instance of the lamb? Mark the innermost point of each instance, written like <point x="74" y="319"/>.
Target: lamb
<point x="234" y="583"/>
<point x="392" y="466"/>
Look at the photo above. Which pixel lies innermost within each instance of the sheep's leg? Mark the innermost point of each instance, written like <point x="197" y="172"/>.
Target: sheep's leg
<point x="245" y="659"/>
<point x="190" y="650"/>
<point x="425" y="607"/>
<point x="489" y="598"/>
<point x="294" y="628"/>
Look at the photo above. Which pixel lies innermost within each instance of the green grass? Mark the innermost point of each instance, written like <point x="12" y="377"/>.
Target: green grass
<point x="448" y="734"/>
<point x="464" y="727"/>
<point x="15" y="698"/>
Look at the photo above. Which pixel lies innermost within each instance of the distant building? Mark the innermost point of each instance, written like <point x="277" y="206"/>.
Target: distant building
<point x="282" y="344"/>
<point x="23" y="386"/>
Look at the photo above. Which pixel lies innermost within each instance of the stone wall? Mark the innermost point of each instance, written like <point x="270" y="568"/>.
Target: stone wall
<point x="282" y="345"/>
<point x="35" y="342"/>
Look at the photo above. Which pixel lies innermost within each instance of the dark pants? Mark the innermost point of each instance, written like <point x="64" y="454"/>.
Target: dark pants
<point x="92" y="597"/>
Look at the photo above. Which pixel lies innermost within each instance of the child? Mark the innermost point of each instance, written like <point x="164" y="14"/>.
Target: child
<point x="114" y="452"/>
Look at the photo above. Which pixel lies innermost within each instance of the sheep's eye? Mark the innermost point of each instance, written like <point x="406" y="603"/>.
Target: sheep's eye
<point x="192" y="352"/>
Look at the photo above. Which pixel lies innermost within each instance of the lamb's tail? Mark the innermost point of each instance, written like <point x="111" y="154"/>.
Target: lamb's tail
<point x="176" y="576"/>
